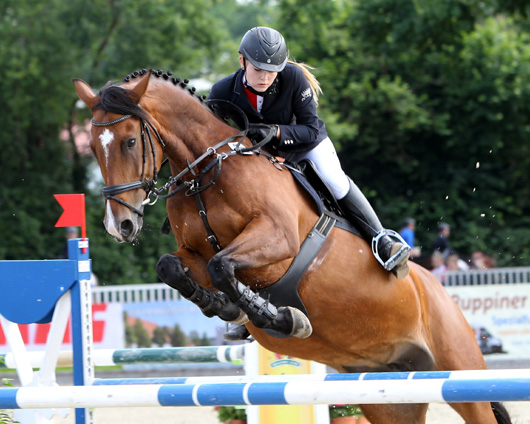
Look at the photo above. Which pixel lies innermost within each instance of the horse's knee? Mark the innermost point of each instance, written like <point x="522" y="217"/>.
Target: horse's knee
<point x="221" y="272"/>
<point x="170" y="270"/>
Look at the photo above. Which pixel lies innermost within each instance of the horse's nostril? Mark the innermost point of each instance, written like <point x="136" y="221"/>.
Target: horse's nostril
<point x="126" y="228"/>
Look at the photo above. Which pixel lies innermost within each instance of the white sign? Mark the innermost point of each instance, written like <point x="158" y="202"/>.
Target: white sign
<point x="500" y="315"/>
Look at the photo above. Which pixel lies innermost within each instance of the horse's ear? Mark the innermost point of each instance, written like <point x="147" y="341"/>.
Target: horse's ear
<point x="141" y="87"/>
<point x="85" y="93"/>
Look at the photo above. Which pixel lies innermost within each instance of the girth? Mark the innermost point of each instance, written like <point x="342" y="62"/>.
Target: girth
<point x="285" y="291"/>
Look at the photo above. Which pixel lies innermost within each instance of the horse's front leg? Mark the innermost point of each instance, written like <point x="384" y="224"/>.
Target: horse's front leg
<point x="174" y="269"/>
<point x="261" y="244"/>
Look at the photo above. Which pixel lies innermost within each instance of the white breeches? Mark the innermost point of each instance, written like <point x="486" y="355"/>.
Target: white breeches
<point x="325" y="158"/>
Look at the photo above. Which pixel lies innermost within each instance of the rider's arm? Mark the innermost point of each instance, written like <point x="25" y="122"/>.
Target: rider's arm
<point x="301" y="134"/>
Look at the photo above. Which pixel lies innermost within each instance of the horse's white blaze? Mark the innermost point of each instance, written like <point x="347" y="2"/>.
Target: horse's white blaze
<point x="106" y="138"/>
<point x="110" y="222"/>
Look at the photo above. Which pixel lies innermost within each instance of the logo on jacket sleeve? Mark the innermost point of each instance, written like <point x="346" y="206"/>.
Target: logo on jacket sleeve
<point x="306" y="94"/>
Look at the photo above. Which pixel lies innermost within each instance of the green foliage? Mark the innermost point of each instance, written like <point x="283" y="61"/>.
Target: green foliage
<point x="196" y="340"/>
<point x="428" y="103"/>
<point x="142" y="336"/>
<point x="160" y="336"/>
<point x="44" y="46"/>
<point x="136" y="334"/>
<point x="177" y="337"/>
<point x="344" y="411"/>
<point x="225" y="414"/>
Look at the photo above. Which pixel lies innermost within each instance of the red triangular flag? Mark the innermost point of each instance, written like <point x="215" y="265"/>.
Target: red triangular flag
<point x="74" y="211"/>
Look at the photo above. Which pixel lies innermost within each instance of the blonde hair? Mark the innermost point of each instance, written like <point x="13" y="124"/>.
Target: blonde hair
<point x="313" y="82"/>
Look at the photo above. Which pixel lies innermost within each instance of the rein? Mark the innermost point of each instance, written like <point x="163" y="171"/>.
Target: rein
<point x="193" y="186"/>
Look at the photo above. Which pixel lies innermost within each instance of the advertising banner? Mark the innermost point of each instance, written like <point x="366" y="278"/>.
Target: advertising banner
<point x="107" y="322"/>
<point x="500" y="317"/>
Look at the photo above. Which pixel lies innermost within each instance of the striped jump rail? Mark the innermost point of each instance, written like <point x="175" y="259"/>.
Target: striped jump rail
<point x="110" y="357"/>
<point x="249" y="392"/>
<point x="416" y="375"/>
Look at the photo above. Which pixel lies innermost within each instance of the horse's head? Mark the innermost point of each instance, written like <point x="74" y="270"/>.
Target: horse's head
<point x="127" y="150"/>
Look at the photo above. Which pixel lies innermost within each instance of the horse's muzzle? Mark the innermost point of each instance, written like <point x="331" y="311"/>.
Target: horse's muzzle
<point x="124" y="226"/>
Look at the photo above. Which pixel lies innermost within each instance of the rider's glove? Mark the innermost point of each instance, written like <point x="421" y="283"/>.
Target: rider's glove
<point x="257" y="132"/>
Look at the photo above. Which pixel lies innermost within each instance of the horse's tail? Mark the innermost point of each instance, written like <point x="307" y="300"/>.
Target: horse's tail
<point x="501" y="414"/>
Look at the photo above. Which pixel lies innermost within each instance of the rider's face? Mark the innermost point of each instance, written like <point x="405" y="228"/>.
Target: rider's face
<point x="257" y="78"/>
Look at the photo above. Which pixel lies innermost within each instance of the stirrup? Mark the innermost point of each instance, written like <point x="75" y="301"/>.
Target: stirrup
<point x="397" y="257"/>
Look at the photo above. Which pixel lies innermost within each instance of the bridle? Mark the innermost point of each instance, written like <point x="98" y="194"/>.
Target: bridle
<point x="144" y="183"/>
<point x="193" y="186"/>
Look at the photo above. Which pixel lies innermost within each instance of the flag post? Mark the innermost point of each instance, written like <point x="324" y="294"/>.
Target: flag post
<point x="73" y="212"/>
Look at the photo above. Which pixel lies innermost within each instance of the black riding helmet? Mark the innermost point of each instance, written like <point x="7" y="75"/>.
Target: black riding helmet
<point x="265" y="48"/>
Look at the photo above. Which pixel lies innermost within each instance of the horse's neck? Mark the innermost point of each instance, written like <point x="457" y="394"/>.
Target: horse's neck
<point x="189" y="131"/>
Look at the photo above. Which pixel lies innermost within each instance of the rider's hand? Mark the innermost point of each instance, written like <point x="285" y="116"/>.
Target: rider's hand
<point x="257" y="132"/>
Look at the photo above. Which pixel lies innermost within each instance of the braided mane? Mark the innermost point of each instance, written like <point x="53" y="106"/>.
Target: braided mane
<point x="117" y="99"/>
<point x="168" y="76"/>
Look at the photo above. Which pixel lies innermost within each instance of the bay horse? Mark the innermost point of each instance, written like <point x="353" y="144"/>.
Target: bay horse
<point x="360" y="317"/>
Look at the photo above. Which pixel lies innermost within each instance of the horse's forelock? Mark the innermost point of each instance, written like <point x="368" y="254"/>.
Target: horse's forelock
<point x="119" y="100"/>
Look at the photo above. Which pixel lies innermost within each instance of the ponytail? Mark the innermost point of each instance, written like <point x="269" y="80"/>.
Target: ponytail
<point x="313" y="82"/>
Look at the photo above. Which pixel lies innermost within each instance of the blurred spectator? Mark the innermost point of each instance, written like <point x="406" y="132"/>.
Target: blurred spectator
<point x="438" y="265"/>
<point x="442" y="244"/>
<point x="477" y="260"/>
<point x="489" y="262"/>
<point x="408" y="232"/>
<point x="481" y="261"/>
<point x="454" y="263"/>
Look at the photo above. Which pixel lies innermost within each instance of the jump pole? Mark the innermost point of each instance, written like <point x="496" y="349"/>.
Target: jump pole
<point x="275" y="393"/>
<point x="111" y="357"/>
<point x="468" y="375"/>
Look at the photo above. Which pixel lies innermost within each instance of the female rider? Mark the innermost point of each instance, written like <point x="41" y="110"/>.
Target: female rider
<point x="281" y="96"/>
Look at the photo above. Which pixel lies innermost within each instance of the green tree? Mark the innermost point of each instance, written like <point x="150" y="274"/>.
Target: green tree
<point x="44" y="46"/>
<point x="130" y="336"/>
<point x="160" y="336"/>
<point x="427" y="103"/>
<point x="141" y="335"/>
<point x="205" y="340"/>
<point x="177" y="337"/>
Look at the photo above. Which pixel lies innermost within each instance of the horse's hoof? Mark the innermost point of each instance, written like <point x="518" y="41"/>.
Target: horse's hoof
<point x="302" y="328"/>
<point x="242" y="319"/>
<point x="236" y="333"/>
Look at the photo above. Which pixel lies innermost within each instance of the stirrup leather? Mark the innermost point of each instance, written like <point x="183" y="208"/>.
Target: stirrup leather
<point x="397" y="257"/>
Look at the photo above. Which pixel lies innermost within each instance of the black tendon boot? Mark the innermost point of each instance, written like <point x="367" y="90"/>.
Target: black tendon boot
<point x="387" y="246"/>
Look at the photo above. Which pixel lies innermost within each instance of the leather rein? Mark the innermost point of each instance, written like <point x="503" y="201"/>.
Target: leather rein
<point x="193" y="186"/>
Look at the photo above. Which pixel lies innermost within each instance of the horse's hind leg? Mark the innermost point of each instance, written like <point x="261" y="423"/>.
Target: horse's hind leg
<point x="406" y="413"/>
<point x="171" y="272"/>
<point x="482" y="413"/>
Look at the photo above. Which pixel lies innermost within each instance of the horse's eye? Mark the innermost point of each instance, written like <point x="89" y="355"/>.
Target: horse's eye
<point x="131" y="143"/>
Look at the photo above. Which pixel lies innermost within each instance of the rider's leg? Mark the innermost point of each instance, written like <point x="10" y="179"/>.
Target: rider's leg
<point x="391" y="253"/>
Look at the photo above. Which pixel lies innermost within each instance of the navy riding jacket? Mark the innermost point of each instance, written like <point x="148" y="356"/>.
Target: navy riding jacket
<point x="289" y="104"/>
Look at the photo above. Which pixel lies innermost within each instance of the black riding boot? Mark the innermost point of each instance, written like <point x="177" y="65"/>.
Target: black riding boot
<point x="388" y="247"/>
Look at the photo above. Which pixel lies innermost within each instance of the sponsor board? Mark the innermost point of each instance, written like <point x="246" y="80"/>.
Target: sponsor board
<point x="499" y="315"/>
<point x="107" y="323"/>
